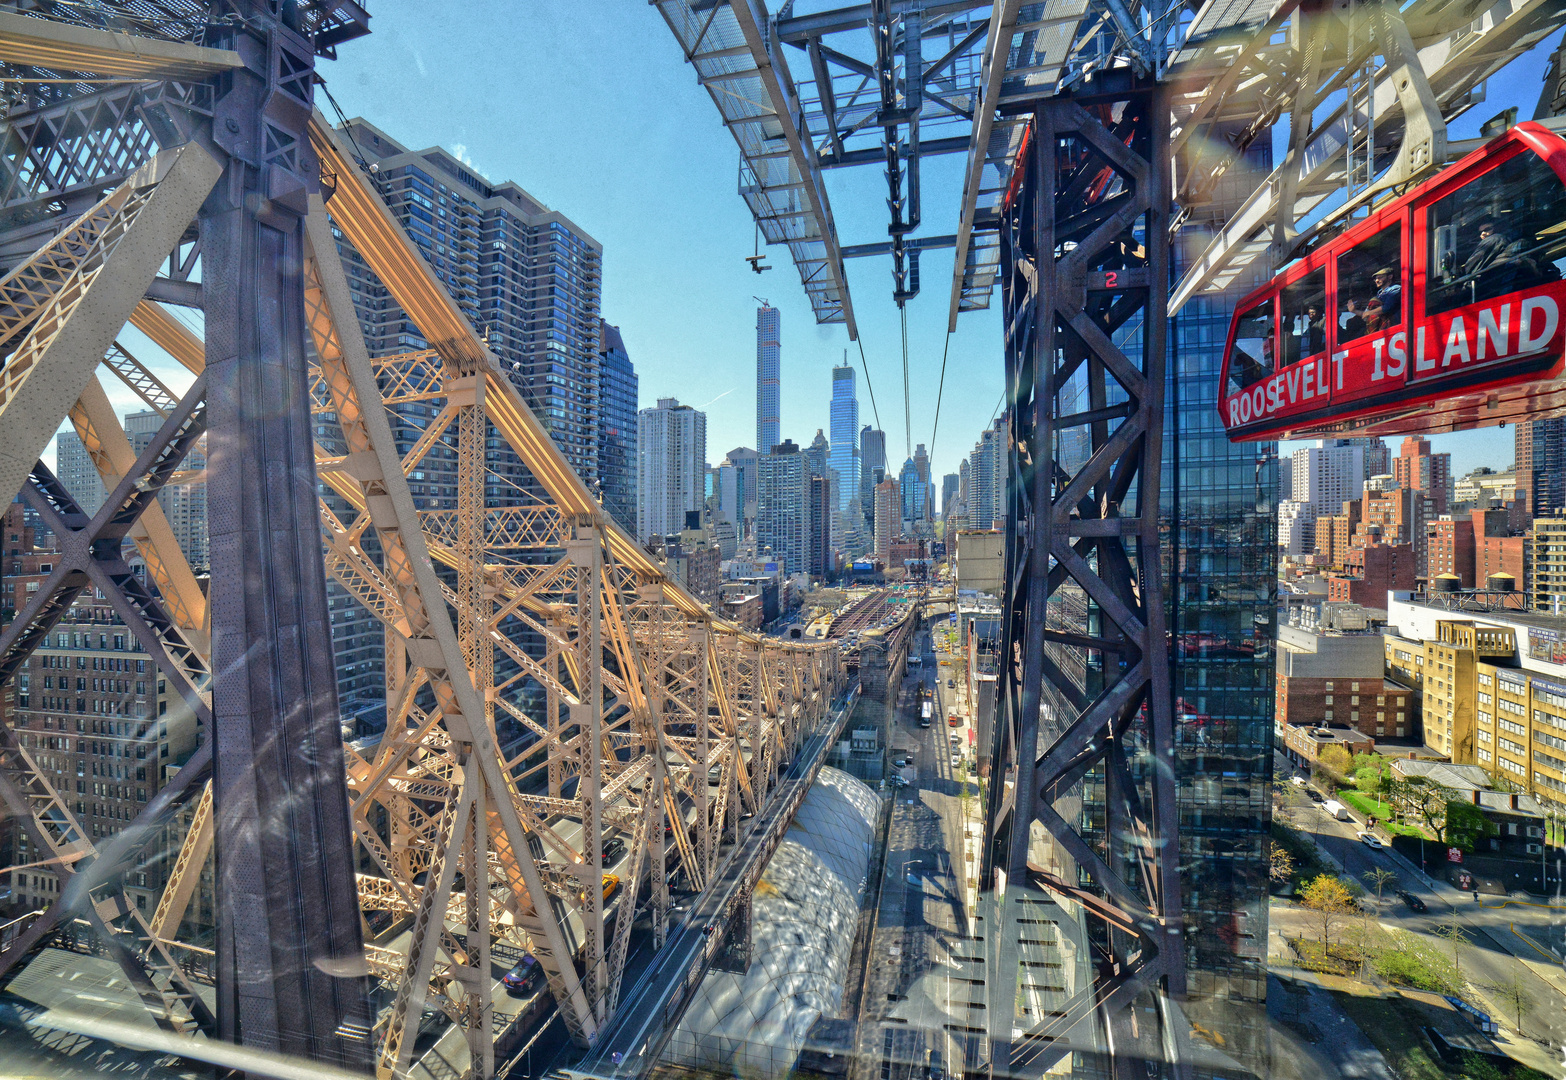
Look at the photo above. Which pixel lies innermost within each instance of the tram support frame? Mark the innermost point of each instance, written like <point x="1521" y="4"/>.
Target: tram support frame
<point x="1095" y="173"/>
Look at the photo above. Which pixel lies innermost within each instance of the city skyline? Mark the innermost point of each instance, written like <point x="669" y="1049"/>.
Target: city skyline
<point x="690" y="323"/>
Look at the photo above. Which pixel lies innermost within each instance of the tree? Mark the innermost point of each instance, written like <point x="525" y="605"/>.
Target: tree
<point x="1515" y="995"/>
<point x="1337" y="759"/>
<point x="1379" y="879"/>
<point x="1465" y="824"/>
<point x="1453" y="931"/>
<point x="1428" y="800"/>
<point x="1282" y="863"/>
<point x="1368" y="780"/>
<point x="1329" y="898"/>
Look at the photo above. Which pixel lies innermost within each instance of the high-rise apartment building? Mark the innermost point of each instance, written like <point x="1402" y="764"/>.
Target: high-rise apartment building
<point x="783" y="508"/>
<point x="671" y="478"/>
<point x="529" y="281"/>
<point x="769" y="349"/>
<point x="184" y="505"/>
<point x="1416" y="468"/>
<point x="1546" y="562"/>
<point x="735" y="490"/>
<point x="73" y="467"/>
<point x="821" y="553"/>
<point x="818" y="458"/>
<point x="1401" y="516"/>
<point x="964" y="487"/>
<point x="949" y="486"/>
<point x="910" y="491"/>
<point x="1378" y="456"/>
<point x="921" y="462"/>
<point x="526" y="277"/>
<point x="845" y="449"/>
<point x="872" y="456"/>
<point x="887" y="518"/>
<point x="987" y="466"/>
<point x="1329" y="474"/>
<point x="618" y="406"/>
<point x="96" y="716"/>
<point x="1296" y="528"/>
<point x="1541" y="466"/>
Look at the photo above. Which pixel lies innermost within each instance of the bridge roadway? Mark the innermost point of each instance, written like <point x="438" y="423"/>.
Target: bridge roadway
<point x="650" y="1010"/>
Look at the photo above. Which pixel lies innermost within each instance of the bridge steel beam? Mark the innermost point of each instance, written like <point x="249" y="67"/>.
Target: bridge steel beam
<point x="1085" y="727"/>
<point x="662" y="716"/>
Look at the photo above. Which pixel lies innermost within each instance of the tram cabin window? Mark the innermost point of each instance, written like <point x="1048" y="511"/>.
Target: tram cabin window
<point x="1370" y="285"/>
<point x="1305" y="317"/>
<point x="1498" y="233"/>
<point x="1252" y="360"/>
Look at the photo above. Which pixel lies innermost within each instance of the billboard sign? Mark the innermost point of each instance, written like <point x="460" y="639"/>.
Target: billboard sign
<point x="1547" y="645"/>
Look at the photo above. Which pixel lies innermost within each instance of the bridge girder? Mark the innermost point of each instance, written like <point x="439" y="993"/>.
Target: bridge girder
<point x="643" y="690"/>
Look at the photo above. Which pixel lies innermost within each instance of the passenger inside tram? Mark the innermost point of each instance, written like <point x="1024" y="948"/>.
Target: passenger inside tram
<point x="1501" y="232"/>
<point x="1370" y="285"/>
<point x="1304" y="327"/>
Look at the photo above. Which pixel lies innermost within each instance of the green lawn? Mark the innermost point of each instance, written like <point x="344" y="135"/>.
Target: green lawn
<point x="1366" y="805"/>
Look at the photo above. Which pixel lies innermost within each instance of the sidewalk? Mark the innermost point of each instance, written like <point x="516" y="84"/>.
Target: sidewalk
<point x="1518" y="1048"/>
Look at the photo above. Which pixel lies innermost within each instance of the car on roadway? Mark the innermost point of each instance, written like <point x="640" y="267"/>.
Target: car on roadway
<point x="951" y="684"/>
<point x="525" y="977"/>
<point x="1414" y="903"/>
<point x="1368" y="840"/>
<point x="614" y="847"/>
<point x="1315" y="796"/>
<point x="924" y="721"/>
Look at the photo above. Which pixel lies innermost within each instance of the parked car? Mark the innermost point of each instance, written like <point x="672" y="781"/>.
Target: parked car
<point x="1369" y="841"/>
<point x="953" y="721"/>
<point x="899" y="781"/>
<point x="1315" y="796"/>
<point x="1414" y="903"/>
<point x="1297" y="781"/>
<point x="956" y="741"/>
<point x="956" y="761"/>
<point x="951" y="684"/>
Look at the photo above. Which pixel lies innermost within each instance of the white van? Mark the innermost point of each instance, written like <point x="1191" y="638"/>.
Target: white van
<point x="1337" y="810"/>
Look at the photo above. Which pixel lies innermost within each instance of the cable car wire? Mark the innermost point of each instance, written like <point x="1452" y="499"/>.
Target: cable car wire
<point x="907" y="407"/>
<point x="940" y="391"/>
<point x="860" y="341"/>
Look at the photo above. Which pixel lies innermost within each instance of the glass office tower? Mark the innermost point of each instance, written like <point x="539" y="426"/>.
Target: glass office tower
<point x="1220" y="573"/>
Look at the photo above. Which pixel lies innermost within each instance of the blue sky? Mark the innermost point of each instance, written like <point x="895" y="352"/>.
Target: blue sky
<point x="591" y="107"/>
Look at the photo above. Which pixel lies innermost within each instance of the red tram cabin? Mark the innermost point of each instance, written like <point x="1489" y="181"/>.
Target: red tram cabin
<point x="1439" y="312"/>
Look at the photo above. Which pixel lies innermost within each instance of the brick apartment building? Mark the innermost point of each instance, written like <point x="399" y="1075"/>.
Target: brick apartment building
<point x="1371" y="571"/>
<point x="1335" y="534"/>
<point x="1477" y="546"/>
